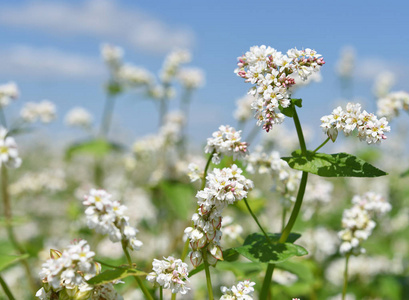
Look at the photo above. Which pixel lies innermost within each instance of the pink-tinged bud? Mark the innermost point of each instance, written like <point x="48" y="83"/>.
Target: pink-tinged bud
<point x="203" y="210"/>
<point x="217" y="222"/>
<point x="202" y="242"/>
<point x="54" y="254"/>
<point x="211" y="235"/>
<point x="211" y="260"/>
<point x="215" y="251"/>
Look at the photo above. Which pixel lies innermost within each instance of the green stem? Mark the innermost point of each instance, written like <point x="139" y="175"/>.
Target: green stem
<point x="105" y="264"/>
<point x="208" y="279"/>
<point x="255" y="219"/>
<point x="283" y="218"/>
<point x="161" y="293"/>
<point x="9" y="227"/>
<point x="6" y="289"/>
<point x="173" y="296"/>
<point x="163" y="106"/>
<point x="265" y="289"/>
<point x="107" y="116"/>
<point x="138" y="280"/>
<point x="344" y="290"/>
<point x="322" y="145"/>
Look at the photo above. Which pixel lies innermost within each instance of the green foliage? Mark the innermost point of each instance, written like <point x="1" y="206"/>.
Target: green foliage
<point x="258" y="249"/>
<point x="115" y="274"/>
<point x="332" y="165"/>
<point x="96" y="147"/>
<point x="9" y="260"/>
<point x="289" y="111"/>
<point x="113" y="88"/>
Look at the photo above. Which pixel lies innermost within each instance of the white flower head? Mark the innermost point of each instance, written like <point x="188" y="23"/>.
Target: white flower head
<point x="78" y="117"/>
<point x="8" y="92"/>
<point x="44" y="111"/>
<point x="8" y="151"/>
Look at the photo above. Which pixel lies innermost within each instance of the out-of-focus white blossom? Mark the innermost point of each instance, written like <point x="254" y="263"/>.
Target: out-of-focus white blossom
<point x="44" y="111"/>
<point x="170" y="273"/>
<point x="231" y="229"/>
<point x="172" y="64"/>
<point x="223" y="187"/>
<point x="194" y="172"/>
<point x="284" y="277"/>
<point x="34" y="183"/>
<point x="106" y="216"/>
<point x="244" y="290"/>
<point x="317" y="193"/>
<point x="358" y="221"/>
<point x="383" y="84"/>
<point x="390" y="105"/>
<point x="134" y="76"/>
<point x="112" y="55"/>
<point x="191" y="78"/>
<point x="270" y="71"/>
<point x="226" y="141"/>
<point x="8" y="92"/>
<point x="243" y="111"/>
<point x="345" y="65"/>
<point x="369" y="127"/>
<point x="312" y="239"/>
<point x="8" y="151"/>
<point x="159" y="92"/>
<point x="78" y="117"/>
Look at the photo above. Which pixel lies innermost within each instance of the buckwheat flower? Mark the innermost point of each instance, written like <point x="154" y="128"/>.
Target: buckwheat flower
<point x="194" y="172"/>
<point x="106" y="216"/>
<point x="346" y="63"/>
<point x="8" y="151"/>
<point x="358" y="221"/>
<point x="8" y="92"/>
<point x="242" y="291"/>
<point x="390" y="105"/>
<point x="172" y="64"/>
<point x="383" y="83"/>
<point x="226" y="141"/>
<point x="112" y="55"/>
<point x="134" y="76"/>
<point x="78" y="117"/>
<point x="369" y="127"/>
<point x="44" y="111"/>
<point x="271" y="73"/>
<point x="223" y="187"/>
<point x="170" y="273"/>
<point x="191" y="78"/>
<point x="230" y="229"/>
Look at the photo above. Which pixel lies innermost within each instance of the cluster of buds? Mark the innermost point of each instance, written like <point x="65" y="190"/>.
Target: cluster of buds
<point x="358" y="221"/>
<point x="390" y="105"/>
<point x="242" y="291"/>
<point x="8" y="91"/>
<point x="64" y="275"/>
<point x="8" y="150"/>
<point x="286" y="178"/>
<point x="43" y="111"/>
<point x="223" y="187"/>
<point x="226" y="141"/>
<point x="272" y="73"/>
<point x="369" y="127"/>
<point x="107" y="217"/>
<point x="170" y="273"/>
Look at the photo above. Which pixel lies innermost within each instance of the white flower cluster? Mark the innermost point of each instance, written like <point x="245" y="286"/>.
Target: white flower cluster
<point x="317" y="193"/>
<point x="8" y="150"/>
<point x="226" y="141"/>
<point x="34" y="183"/>
<point x="172" y="64"/>
<point x="78" y="117"/>
<point x="358" y="221"/>
<point x="242" y="291"/>
<point x="64" y="275"/>
<point x="287" y="179"/>
<point x="107" y="217"/>
<point x="390" y="105"/>
<point x="346" y="63"/>
<point x="383" y="83"/>
<point x="223" y="187"/>
<point x="158" y="92"/>
<point x="170" y="273"/>
<point x="270" y="71"/>
<point x="191" y="78"/>
<point x="231" y="229"/>
<point x="243" y="111"/>
<point x="134" y="76"/>
<point x="8" y="91"/>
<point x="43" y="111"/>
<point x="112" y="55"/>
<point x="369" y="127"/>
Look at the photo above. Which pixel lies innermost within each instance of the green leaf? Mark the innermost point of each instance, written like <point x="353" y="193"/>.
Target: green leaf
<point x="8" y="260"/>
<point x="113" y="88"/>
<point x="404" y="174"/>
<point x="198" y="269"/>
<point x="297" y="102"/>
<point x="240" y="269"/>
<point x="96" y="148"/>
<point x="257" y="249"/>
<point x="180" y="197"/>
<point x="332" y="165"/>
<point x="230" y="255"/>
<point x="289" y="110"/>
<point x="115" y="274"/>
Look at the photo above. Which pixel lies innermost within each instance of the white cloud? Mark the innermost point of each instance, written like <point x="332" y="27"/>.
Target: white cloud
<point x="101" y="18"/>
<point x="48" y="63"/>
<point x="369" y="68"/>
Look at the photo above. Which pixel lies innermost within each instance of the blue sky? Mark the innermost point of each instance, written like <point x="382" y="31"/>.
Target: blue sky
<point x="51" y="49"/>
